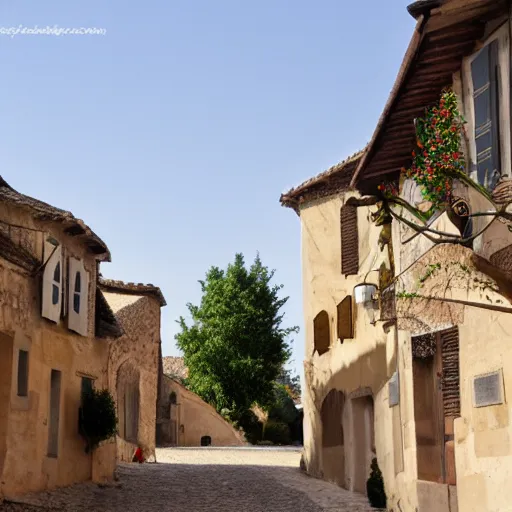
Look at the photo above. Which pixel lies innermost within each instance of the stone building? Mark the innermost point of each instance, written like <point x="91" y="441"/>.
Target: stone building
<point x="133" y="363"/>
<point x="415" y="365"/>
<point x="49" y="344"/>
<point x="184" y="419"/>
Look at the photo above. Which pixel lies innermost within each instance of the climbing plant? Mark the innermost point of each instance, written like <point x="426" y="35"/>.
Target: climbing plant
<point x="437" y="164"/>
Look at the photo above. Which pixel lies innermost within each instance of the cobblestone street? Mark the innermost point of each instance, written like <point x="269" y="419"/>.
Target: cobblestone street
<point x="197" y="480"/>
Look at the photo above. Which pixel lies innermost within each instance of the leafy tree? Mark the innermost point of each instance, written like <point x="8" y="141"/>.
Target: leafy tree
<point x="236" y="346"/>
<point x="292" y="384"/>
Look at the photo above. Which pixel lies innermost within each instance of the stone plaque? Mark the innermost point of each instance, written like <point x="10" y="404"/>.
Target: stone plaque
<point x="488" y="389"/>
<point x="394" y="390"/>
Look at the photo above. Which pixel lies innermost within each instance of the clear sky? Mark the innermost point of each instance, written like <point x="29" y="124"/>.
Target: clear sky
<point x="174" y="134"/>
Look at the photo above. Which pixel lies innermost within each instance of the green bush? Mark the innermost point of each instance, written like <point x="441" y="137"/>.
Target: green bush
<point x="98" y="421"/>
<point x="375" y="487"/>
<point x="277" y="432"/>
<point x="251" y="426"/>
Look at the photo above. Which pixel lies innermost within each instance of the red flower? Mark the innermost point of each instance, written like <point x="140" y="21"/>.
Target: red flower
<point x="455" y="155"/>
<point x="433" y="148"/>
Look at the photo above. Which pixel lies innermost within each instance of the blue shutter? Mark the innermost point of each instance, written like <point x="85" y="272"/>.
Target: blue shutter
<point x="484" y="73"/>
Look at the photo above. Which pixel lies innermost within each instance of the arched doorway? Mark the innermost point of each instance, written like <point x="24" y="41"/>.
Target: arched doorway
<point x="128" y="398"/>
<point x="333" y="444"/>
<point x="363" y="444"/>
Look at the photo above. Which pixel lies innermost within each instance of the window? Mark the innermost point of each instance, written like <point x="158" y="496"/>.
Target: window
<point x="484" y="74"/>
<point x="22" y="373"/>
<point x="321" y="328"/>
<point x="172" y="398"/>
<point x="56" y="285"/>
<point x="76" y="295"/>
<point x="487" y="96"/>
<point x="87" y="385"/>
<point x="52" y="283"/>
<point x="53" y="424"/>
<point x="345" y="322"/>
<point x="206" y="441"/>
<point x="349" y="240"/>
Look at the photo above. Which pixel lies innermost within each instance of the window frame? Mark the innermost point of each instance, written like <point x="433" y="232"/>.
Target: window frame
<point x="501" y="34"/>
<point x="24" y="384"/>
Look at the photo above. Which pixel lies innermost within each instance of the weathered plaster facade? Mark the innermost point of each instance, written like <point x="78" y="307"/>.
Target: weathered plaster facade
<point x="356" y="367"/>
<point x="134" y="364"/>
<point x="25" y="463"/>
<point x="184" y="419"/>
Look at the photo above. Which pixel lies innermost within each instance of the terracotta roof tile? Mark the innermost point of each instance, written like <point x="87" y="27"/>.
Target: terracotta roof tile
<point x="335" y="179"/>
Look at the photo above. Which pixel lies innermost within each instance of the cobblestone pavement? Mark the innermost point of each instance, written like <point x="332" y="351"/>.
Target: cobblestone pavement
<point x="200" y="480"/>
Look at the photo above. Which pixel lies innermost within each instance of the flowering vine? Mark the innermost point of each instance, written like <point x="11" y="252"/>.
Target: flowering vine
<point x="437" y="157"/>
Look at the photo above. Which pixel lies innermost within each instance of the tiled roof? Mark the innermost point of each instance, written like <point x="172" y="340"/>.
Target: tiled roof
<point x="111" y="285"/>
<point x="45" y="212"/>
<point x="335" y="179"/>
<point x="174" y="367"/>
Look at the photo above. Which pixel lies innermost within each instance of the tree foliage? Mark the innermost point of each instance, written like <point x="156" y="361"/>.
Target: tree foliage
<point x="236" y="346"/>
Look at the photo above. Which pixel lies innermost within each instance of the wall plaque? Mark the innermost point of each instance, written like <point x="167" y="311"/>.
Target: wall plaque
<point x="488" y="389"/>
<point x="394" y="390"/>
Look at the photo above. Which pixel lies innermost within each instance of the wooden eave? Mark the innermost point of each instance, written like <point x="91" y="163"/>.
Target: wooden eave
<point x="441" y="39"/>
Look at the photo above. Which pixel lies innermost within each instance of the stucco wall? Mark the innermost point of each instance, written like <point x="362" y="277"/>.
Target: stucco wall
<point x="139" y="317"/>
<point x="483" y="452"/>
<point x="26" y="466"/>
<point x="195" y="418"/>
<point x="358" y="367"/>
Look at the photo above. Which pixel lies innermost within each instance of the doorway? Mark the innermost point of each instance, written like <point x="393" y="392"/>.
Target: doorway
<point x="364" y="440"/>
<point x="6" y="353"/>
<point x="333" y="445"/>
<point x="436" y="382"/>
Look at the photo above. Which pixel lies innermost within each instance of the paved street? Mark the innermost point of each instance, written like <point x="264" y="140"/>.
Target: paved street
<point x="200" y="480"/>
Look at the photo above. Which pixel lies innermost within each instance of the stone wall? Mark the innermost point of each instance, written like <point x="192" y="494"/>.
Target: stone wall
<point x="138" y="351"/>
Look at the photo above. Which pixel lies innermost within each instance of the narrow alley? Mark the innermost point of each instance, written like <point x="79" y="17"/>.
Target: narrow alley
<point x="197" y="480"/>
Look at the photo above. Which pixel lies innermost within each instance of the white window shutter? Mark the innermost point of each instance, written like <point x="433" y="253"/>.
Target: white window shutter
<point x="78" y="297"/>
<point x="52" y="283"/>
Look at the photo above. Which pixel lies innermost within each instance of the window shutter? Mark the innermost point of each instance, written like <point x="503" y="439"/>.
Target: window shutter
<point x="78" y="297"/>
<point x="345" y="323"/>
<point x="484" y="74"/>
<point x="52" y="283"/>
<point x="321" y="332"/>
<point x="349" y="240"/>
<point x="451" y="373"/>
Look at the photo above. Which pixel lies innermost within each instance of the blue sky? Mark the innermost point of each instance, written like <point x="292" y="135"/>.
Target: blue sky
<point x="174" y="134"/>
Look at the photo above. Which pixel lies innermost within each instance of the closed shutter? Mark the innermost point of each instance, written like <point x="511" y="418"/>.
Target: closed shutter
<point x="451" y="372"/>
<point x="484" y="74"/>
<point x="345" y="323"/>
<point x="349" y="240"/>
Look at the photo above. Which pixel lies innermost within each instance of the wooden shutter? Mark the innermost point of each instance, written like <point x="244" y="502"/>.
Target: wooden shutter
<point x="349" y="240"/>
<point x="451" y="372"/>
<point x="345" y="323"/>
<point x="484" y="74"/>
<point x="321" y="332"/>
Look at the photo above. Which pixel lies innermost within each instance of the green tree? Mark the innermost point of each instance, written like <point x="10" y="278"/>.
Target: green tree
<point x="236" y="346"/>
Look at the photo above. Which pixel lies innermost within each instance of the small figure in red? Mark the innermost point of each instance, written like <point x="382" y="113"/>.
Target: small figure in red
<point x="138" y="456"/>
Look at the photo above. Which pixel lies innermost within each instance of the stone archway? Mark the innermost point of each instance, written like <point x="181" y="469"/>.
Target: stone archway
<point x="333" y="440"/>
<point x="128" y="399"/>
